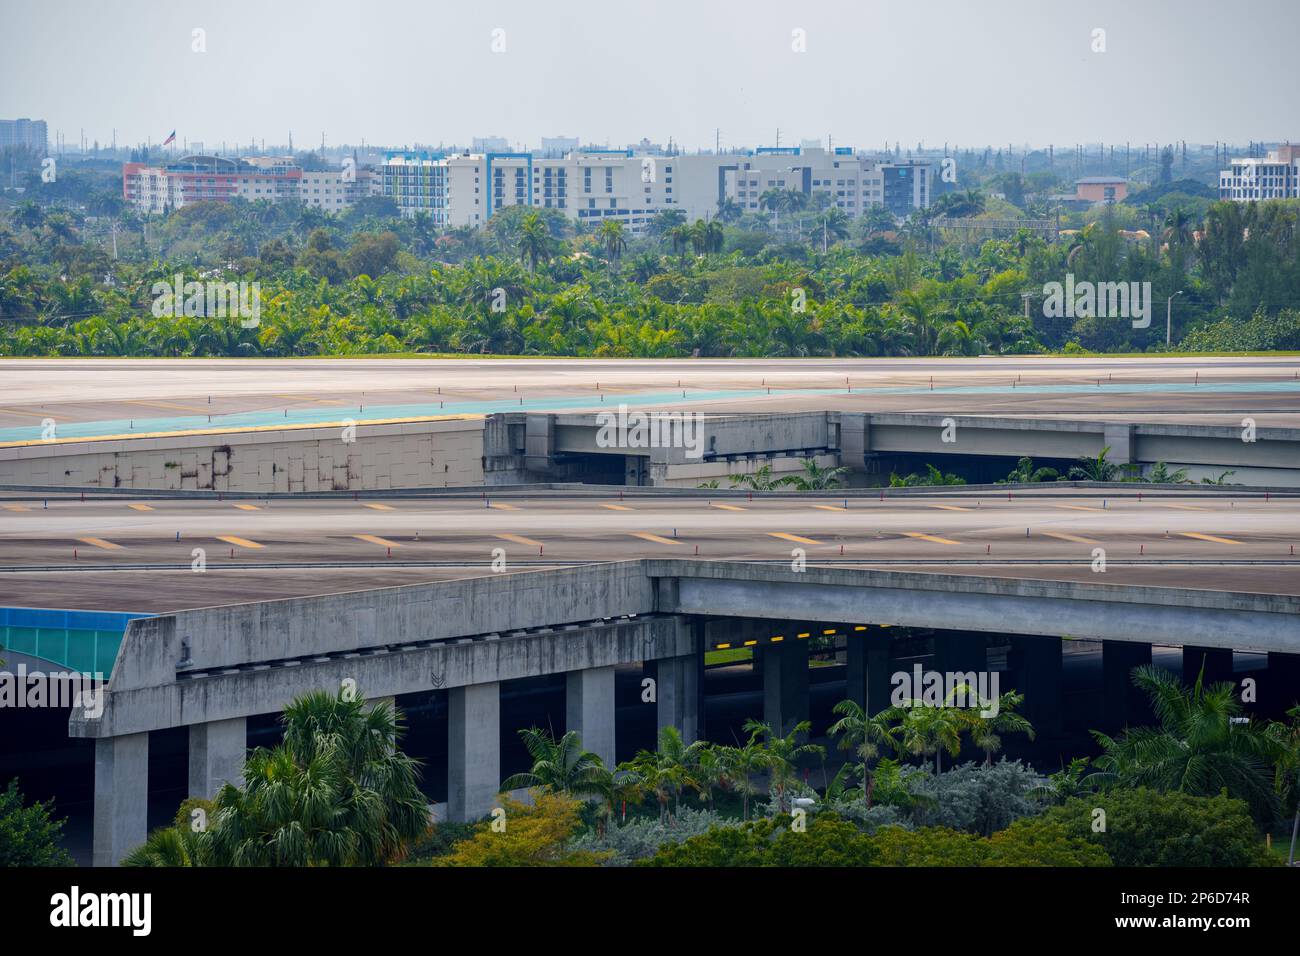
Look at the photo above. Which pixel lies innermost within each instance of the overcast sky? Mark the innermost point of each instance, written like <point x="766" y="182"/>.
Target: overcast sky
<point x="398" y="72"/>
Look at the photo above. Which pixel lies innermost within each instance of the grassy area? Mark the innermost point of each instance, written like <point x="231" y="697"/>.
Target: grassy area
<point x="732" y="655"/>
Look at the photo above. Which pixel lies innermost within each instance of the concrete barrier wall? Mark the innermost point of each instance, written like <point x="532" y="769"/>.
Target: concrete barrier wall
<point x="436" y="453"/>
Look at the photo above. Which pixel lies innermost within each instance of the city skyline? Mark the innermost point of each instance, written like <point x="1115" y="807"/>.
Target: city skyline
<point x="695" y="76"/>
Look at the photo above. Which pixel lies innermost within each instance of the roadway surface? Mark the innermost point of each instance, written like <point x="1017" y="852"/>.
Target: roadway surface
<point x="134" y="396"/>
<point x="136" y="553"/>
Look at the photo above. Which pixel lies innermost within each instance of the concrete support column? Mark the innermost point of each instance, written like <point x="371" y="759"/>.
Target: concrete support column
<point x="1124" y="704"/>
<point x="1217" y="662"/>
<point x="677" y="690"/>
<point x="217" y="751"/>
<point x="785" y="684"/>
<point x="1038" y="677"/>
<point x="121" y="796"/>
<point x="869" y="670"/>
<point x="474" y="750"/>
<point x="1118" y="437"/>
<point x="853" y="447"/>
<point x="960" y="652"/>
<point x="1281" y="690"/>
<point x="589" y="710"/>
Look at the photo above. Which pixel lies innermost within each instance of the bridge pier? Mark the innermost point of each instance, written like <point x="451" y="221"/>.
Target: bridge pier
<point x="1217" y="662"/>
<point x="121" y="820"/>
<point x="960" y="652"/>
<point x="677" y="694"/>
<point x="1281" y="689"/>
<point x="589" y="710"/>
<point x="1125" y="705"/>
<point x="785" y="684"/>
<point x="217" y="751"/>
<point x="869" y="670"/>
<point x="1038" y="677"/>
<point x="474" y="750"/>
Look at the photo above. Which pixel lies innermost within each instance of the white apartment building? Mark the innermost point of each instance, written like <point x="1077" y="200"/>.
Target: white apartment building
<point x="593" y="185"/>
<point x="1251" y="180"/>
<point x="158" y="189"/>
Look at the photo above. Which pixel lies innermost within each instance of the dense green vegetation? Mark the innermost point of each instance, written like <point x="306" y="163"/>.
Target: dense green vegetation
<point x="1198" y="789"/>
<point x="786" y="282"/>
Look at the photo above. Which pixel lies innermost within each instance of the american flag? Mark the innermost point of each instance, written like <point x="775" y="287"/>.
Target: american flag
<point x="170" y="139"/>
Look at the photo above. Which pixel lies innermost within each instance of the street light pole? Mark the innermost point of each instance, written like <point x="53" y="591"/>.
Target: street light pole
<point x="1169" y="316"/>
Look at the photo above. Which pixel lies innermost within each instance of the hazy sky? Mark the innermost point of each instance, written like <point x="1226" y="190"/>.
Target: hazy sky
<point x="966" y="72"/>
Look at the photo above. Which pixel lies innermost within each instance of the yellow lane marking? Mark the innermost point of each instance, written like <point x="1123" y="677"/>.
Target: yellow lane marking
<point x="140" y="507"/>
<point x="792" y="537"/>
<point x="727" y="507"/>
<point x="830" y="507"/>
<point x="375" y="539"/>
<point x="16" y="508"/>
<point x="240" y="542"/>
<point x="101" y="543"/>
<point x="520" y="539"/>
<point x="503" y="507"/>
<point x="930" y="537"/>
<point x="1079" y="507"/>
<point x="378" y="507"/>
<point x="173" y="405"/>
<point x="308" y="398"/>
<point x="1208" y="537"/>
<point x="19" y="411"/>
<point x="647" y="536"/>
<point x="1070" y="537"/>
<point x="1183" y="507"/>
<point x="950" y="507"/>
<point x="248" y="507"/>
<point x="617" y="507"/>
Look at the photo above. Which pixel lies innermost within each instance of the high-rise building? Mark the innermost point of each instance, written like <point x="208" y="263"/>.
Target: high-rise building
<point x="24" y="132"/>
<point x="1277" y="176"/>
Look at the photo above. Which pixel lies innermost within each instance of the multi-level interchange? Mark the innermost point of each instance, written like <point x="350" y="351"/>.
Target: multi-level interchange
<point x="467" y="536"/>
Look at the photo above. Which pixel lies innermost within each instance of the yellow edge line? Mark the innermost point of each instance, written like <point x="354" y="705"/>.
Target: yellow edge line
<point x="378" y="507"/>
<point x="101" y="543"/>
<point x="829" y="507"/>
<point x="617" y="507"/>
<point x="140" y="507"/>
<point x="375" y="539"/>
<point x="950" y="507"/>
<point x="248" y="507"/>
<point x="792" y="537"/>
<point x="241" y="542"/>
<point x="647" y="536"/>
<point x="520" y="539"/>
<point x="1070" y="537"/>
<point x="1208" y="537"/>
<point x="728" y="507"/>
<point x="930" y="537"/>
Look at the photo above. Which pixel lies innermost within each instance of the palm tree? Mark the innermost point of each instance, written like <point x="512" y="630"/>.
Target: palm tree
<point x="613" y="239"/>
<point x="729" y="210"/>
<point x="924" y="730"/>
<point x="680" y="238"/>
<point x="1200" y="747"/>
<point x="535" y="242"/>
<point x="560" y="766"/>
<point x="741" y="763"/>
<point x="783" y="754"/>
<point x="863" y="734"/>
<point x="1094" y="469"/>
<point x="986" y="732"/>
<point x="1026" y="473"/>
<point x="814" y="478"/>
<point x="338" y="791"/>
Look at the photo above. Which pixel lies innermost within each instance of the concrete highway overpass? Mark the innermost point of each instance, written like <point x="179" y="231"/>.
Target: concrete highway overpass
<point x="212" y="669"/>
